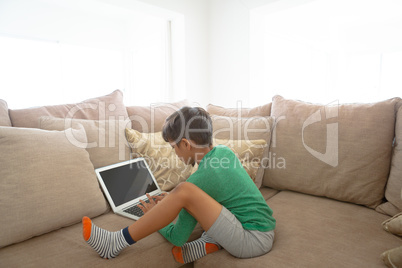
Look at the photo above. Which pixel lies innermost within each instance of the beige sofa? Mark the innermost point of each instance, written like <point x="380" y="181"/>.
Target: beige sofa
<point x="331" y="174"/>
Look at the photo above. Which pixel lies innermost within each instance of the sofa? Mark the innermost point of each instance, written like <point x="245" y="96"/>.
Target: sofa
<point x="331" y="173"/>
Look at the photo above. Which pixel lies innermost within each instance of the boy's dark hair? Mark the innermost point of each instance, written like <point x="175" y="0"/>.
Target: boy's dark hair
<point x="191" y="123"/>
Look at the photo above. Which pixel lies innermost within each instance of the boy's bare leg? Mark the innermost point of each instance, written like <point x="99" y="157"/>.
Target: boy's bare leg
<point x="188" y="196"/>
<point x="200" y="205"/>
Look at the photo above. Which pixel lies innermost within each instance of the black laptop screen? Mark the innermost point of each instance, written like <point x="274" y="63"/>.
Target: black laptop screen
<point x="128" y="182"/>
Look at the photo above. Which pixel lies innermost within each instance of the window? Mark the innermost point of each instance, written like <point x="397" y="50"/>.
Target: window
<point x="66" y="52"/>
<point x="43" y="72"/>
<point x="326" y="50"/>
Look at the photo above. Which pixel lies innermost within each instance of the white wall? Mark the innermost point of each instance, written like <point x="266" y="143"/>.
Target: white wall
<point x="230" y="50"/>
<point x="217" y="48"/>
<point x="196" y="45"/>
<point x="228" y="69"/>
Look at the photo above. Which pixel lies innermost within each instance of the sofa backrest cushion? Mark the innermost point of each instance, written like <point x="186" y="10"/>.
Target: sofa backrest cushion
<point x="393" y="190"/>
<point x="245" y="128"/>
<point x="263" y="110"/>
<point x="100" y="108"/>
<point x="151" y="118"/>
<point x="49" y="183"/>
<point x="107" y="143"/>
<point x="338" y="151"/>
<point x="4" y="117"/>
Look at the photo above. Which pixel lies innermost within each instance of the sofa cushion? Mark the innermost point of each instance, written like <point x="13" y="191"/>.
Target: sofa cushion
<point x="100" y="108"/>
<point x="393" y="257"/>
<point x="394" y="184"/>
<point x="106" y="145"/>
<point x="67" y="248"/>
<point x="338" y="151"/>
<point x="4" y="117"/>
<point x="317" y="232"/>
<point x="48" y="183"/>
<point x="267" y="192"/>
<point x="151" y="118"/>
<point x="394" y="225"/>
<point x="246" y="128"/>
<point x="263" y="110"/>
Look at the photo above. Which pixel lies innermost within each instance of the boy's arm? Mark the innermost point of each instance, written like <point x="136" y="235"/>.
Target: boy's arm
<point x="179" y="232"/>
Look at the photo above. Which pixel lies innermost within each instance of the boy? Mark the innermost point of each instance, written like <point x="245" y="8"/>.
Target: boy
<point x="220" y="196"/>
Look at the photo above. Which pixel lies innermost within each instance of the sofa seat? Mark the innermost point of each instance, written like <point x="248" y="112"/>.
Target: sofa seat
<point x="66" y="248"/>
<point x="317" y="232"/>
<point x="268" y="192"/>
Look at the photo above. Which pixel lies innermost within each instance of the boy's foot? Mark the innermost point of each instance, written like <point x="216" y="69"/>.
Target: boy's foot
<point x="107" y="244"/>
<point x="196" y="249"/>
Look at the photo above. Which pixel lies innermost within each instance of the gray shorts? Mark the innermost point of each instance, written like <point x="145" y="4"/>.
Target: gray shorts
<point x="241" y="243"/>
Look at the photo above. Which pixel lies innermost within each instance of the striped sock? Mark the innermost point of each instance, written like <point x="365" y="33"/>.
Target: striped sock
<point x="196" y="249"/>
<point x="107" y="244"/>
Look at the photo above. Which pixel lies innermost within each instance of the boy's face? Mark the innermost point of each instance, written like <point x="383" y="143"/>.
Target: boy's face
<point x="183" y="151"/>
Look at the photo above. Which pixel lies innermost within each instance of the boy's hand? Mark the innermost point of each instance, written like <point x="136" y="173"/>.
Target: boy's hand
<point x="160" y="197"/>
<point x="153" y="201"/>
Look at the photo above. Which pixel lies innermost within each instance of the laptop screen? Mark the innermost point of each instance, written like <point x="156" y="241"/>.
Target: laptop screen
<point x="128" y="182"/>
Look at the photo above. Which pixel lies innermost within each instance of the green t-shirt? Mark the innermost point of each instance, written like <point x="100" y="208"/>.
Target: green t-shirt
<point x="221" y="175"/>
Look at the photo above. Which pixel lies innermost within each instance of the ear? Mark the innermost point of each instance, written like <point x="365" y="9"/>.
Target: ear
<point x="186" y="143"/>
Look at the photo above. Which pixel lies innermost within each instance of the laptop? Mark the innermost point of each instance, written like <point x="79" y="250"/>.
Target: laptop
<point x="125" y="184"/>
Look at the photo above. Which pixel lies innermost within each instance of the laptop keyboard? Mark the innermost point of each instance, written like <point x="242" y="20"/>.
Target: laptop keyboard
<point x="135" y="210"/>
